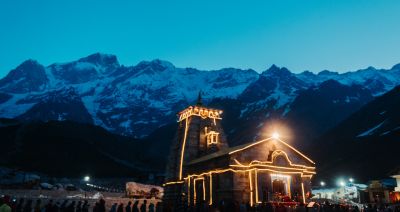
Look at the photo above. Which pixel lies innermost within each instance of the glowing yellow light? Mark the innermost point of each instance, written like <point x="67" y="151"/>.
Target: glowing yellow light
<point x="269" y="163"/>
<point x="261" y="141"/>
<point x="256" y="182"/>
<point x="211" y="200"/>
<point x="199" y="111"/>
<point x="204" y="190"/>
<point x="212" y="137"/>
<point x="183" y="148"/>
<point x="275" y="135"/>
<point x="173" y="182"/>
<point x="250" y="145"/>
<point x="189" y="191"/>
<point x="251" y="189"/>
<point x="302" y="191"/>
<point x="195" y="192"/>
<point x="296" y="151"/>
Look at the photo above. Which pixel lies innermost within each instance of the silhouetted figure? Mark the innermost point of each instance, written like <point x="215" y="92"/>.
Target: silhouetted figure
<point x="20" y="205"/>
<point x="159" y="207"/>
<point x="102" y="206"/>
<point x="63" y="207"/>
<point x="120" y="207"/>
<point x="114" y="207"/>
<point x="79" y="207"/>
<point x="56" y="207"/>
<point x="135" y="207"/>
<point x="151" y="207"/>
<point x="143" y="206"/>
<point x="128" y="207"/>
<point x="37" y="207"/>
<point x="71" y="207"/>
<point x="5" y="205"/>
<point x="85" y="206"/>
<point x="49" y="206"/>
<point x="28" y="206"/>
<point x="242" y="207"/>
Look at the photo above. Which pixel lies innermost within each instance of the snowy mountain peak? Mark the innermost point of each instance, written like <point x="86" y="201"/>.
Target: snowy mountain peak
<point x="396" y="67"/>
<point x="327" y="73"/>
<point x="101" y="59"/>
<point x="135" y="100"/>
<point x="30" y="76"/>
<point x="154" y="66"/>
<point x="277" y="71"/>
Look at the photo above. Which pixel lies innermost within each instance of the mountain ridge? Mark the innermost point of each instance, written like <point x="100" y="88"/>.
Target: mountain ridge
<point x="136" y="100"/>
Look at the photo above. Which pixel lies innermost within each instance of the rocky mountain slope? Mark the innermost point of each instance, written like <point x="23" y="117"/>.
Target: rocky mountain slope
<point x="366" y="144"/>
<point x="137" y="100"/>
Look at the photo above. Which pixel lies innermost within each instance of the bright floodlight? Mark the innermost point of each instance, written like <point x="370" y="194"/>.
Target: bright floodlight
<point x="342" y="183"/>
<point x="86" y="179"/>
<point x="322" y="183"/>
<point x="275" y="135"/>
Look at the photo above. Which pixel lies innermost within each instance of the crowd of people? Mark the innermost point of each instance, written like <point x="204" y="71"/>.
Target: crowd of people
<point x="234" y="206"/>
<point x="21" y="205"/>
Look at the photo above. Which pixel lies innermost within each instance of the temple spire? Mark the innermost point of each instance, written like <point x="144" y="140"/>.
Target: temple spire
<point x="199" y="100"/>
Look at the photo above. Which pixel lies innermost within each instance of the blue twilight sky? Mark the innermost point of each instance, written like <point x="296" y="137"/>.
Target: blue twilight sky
<point x="338" y="35"/>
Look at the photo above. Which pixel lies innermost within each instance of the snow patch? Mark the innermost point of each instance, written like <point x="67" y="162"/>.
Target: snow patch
<point x="371" y="130"/>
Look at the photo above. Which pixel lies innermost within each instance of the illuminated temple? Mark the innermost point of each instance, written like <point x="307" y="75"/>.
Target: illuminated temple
<point x="202" y="168"/>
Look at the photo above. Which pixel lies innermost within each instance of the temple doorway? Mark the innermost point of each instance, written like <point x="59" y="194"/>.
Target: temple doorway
<point x="280" y="187"/>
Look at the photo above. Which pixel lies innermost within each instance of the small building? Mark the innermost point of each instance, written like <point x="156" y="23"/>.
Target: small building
<point x="395" y="195"/>
<point x="202" y="168"/>
<point x="380" y="191"/>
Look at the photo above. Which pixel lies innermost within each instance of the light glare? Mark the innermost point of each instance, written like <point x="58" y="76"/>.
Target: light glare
<point x="275" y="135"/>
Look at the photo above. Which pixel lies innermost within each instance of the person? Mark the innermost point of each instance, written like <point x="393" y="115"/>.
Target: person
<point x="128" y="207"/>
<point x="56" y="207"/>
<point x="135" y="207"/>
<point x="5" y="204"/>
<point x="102" y="206"/>
<point x="114" y="207"/>
<point x="300" y="208"/>
<point x="159" y="207"/>
<point x="79" y="207"/>
<point x="37" y="207"/>
<point x="20" y="205"/>
<point x="120" y="207"/>
<point x="71" y="207"/>
<point x="85" y="206"/>
<point x="143" y="206"/>
<point x="63" y="207"/>
<point x="151" y="207"/>
<point x="242" y="207"/>
<point x="28" y="206"/>
<point x="49" y="206"/>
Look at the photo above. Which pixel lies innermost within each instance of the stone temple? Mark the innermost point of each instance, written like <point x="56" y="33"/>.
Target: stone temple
<point x="202" y="168"/>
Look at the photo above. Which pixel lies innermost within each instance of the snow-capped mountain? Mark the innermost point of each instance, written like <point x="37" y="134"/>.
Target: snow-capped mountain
<point x="136" y="100"/>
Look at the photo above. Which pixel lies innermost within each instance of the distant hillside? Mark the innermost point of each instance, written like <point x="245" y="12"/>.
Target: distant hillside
<point x="366" y="145"/>
<point x="71" y="149"/>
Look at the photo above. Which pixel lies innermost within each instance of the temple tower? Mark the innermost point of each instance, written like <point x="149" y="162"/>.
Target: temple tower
<point x="199" y="133"/>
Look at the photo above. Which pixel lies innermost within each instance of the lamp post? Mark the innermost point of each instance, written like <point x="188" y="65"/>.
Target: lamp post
<point x="86" y="179"/>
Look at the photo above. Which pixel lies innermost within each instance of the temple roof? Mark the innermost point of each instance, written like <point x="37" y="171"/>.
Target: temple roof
<point x="238" y="148"/>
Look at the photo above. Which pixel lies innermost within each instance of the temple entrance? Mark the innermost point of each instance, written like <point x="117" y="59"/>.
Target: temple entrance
<point x="280" y="187"/>
<point x="199" y="190"/>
